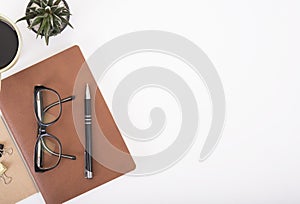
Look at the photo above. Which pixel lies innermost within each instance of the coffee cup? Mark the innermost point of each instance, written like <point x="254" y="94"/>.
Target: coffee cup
<point x="10" y="44"/>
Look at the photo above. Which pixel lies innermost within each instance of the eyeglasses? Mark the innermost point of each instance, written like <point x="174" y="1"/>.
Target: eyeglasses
<point x="48" y="110"/>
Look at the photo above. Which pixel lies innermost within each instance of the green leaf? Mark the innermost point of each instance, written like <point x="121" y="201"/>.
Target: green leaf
<point x="51" y="21"/>
<point x="41" y="11"/>
<point x="46" y="15"/>
<point x="66" y="22"/>
<point x="57" y="2"/>
<point x="43" y="25"/>
<point x="53" y="8"/>
<point x="44" y="28"/>
<point x="65" y="12"/>
<point x="32" y="14"/>
<point x="43" y="3"/>
<point x="47" y="40"/>
<point x="58" y="10"/>
<point x="47" y="33"/>
<point x="50" y="2"/>
<point x="58" y="20"/>
<point x="31" y="9"/>
<point x="36" y="2"/>
<point x="36" y="21"/>
<point x="39" y="31"/>
<point x="22" y="19"/>
<point x="56" y="30"/>
<point x="27" y="17"/>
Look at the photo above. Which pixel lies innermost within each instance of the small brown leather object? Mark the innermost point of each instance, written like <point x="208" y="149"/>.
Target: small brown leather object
<point x="59" y="72"/>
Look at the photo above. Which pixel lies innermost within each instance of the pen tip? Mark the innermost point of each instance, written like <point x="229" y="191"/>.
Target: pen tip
<point x="87" y="92"/>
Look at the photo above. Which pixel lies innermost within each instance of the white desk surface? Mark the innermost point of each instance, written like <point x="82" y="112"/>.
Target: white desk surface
<point x="254" y="46"/>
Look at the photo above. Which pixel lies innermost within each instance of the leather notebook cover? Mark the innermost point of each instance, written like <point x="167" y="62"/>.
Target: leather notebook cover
<point x="111" y="156"/>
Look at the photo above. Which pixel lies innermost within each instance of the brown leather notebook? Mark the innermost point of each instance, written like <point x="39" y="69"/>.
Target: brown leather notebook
<point x="111" y="157"/>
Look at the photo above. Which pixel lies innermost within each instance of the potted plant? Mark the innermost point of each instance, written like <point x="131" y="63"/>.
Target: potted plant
<point x="47" y="17"/>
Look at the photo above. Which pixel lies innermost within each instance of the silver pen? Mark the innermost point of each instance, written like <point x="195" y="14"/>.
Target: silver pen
<point x="88" y="134"/>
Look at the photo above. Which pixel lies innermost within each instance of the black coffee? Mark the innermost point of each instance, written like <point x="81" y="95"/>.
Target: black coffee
<point x="9" y="44"/>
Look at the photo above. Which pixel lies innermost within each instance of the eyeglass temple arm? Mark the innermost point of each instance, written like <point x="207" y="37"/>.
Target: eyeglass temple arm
<point x="66" y="156"/>
<point x="70" y="98"/>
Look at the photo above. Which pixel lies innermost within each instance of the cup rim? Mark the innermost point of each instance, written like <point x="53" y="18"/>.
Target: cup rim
<point x="5" y="19"/>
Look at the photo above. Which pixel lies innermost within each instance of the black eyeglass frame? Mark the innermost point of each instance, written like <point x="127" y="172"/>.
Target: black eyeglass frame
<point x="42" y="133"/>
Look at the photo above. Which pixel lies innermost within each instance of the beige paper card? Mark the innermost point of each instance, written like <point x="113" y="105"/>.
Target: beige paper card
<point x="21" y="186"/>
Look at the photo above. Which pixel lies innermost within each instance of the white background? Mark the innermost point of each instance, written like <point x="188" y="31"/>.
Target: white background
<point x="254" y="45"/>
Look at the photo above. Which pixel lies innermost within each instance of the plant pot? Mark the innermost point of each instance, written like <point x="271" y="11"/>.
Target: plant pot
<point x="63" y="3"/>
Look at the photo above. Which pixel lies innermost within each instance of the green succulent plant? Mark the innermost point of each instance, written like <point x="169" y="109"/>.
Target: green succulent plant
<point x="47" y="17"/>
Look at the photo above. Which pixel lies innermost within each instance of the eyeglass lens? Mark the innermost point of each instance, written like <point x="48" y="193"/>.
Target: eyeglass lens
<point x="45" y="98"/>
<point x="51" y="151"/>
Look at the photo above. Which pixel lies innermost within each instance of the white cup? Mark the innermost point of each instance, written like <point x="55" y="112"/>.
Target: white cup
<point x="14" y="31"/>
